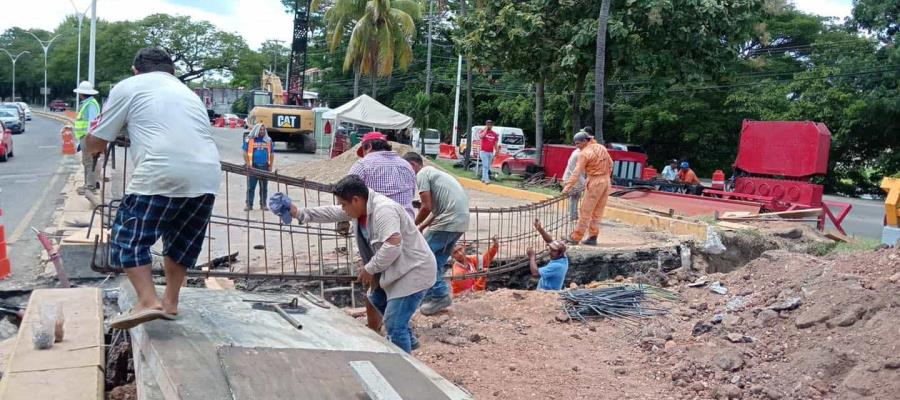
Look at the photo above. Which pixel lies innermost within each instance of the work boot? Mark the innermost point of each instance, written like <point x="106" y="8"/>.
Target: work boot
<point x="436" y="305"/>
<point x="414" y="343"/>
<point x="248" y="208"/>
<point x="591" y="241"/>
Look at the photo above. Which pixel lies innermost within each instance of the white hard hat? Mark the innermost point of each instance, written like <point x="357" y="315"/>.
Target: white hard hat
<point x="86" y="87"/>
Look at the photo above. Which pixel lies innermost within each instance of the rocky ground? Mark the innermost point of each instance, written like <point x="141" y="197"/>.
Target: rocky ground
<point x="791" y="325"/>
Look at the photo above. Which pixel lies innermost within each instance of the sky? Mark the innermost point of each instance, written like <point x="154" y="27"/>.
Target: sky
<point x="255" y="20"/>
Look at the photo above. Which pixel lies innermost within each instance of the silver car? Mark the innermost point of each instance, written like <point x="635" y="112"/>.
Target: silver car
<point x="11" y="120"/>
<point x="27" y="109"/>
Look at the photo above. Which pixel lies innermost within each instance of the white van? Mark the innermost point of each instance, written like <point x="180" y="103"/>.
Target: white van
<point x="512" y="140"/>
<point x="432" y="138"/>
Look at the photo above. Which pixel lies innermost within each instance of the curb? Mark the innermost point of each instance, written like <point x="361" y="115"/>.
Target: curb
<point x="53" y="116"/>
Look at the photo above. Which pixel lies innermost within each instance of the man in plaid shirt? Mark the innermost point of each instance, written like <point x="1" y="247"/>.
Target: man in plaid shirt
<point x="385" y="172"/>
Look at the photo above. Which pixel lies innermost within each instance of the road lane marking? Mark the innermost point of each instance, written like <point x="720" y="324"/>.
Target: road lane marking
<point x="26" y="221"/>
<point x="48" y="147"/>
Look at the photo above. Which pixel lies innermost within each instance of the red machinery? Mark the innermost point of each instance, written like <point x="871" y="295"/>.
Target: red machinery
<point x="775" y="164"/>
<point x="626" y="164"/>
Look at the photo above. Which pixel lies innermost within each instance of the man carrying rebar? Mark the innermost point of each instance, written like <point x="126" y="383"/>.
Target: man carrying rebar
<point x="258" y="155"/>
<point x="575" y="196"/>
<point x="87" y="118"/>
<point x="386" y="173"/>
<point x="173" y="184"/>
<point x="400" y="266"/>
<point x="445" y="213"/>
<point x="593" y="161"/>
<point x="468" y="264"/>
<point x="552" y="275"/>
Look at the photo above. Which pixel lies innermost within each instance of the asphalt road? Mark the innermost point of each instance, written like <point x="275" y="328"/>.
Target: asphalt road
<point x="30" y="184"/>
<point x="866" y="218"/>
<point x="230" y="142"/>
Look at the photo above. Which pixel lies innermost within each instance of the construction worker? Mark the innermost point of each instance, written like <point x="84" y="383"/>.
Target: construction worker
<point x="464" y="264"/>
<point x="445" y="213"/>
<point x="552" y="275"/>
<point x="258" y="155"/>
<point x="575" y="196"/>
<point x="400" y="266"/>
<point x="174" y="182"/>
<point x="85" y="121"/>
<point x="593" y="161"/>
<point x="383" y="171"/>
<point x="670" y="172"/>
<point x="687" y="176"/>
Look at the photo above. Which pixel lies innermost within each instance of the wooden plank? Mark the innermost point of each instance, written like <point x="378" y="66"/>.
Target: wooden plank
<point x="811" y="212"/>
<point x="736" y="214"/>
<point x="373" y="382"/>
<point x="78" y="360"/>
<point x="267" y="373"/>
<point x="838" y="237"/>
<point x="734" y="226"/>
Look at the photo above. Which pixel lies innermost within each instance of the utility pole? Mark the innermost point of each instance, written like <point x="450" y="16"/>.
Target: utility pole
<point x="14" y="59"/>
<point x="80" y="16"/>
<point x="92" y="47"/>
<point x="46" y="46"/>
<point x="429" y="75"/>
<point x="456" y="105"/>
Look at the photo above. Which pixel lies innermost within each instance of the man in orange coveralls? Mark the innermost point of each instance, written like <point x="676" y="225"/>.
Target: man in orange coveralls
<point x="464" y="264"/>
<point x="595" y="162"/>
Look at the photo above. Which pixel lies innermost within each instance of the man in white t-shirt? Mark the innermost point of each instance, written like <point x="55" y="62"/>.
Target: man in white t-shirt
<point x="173" y="184"/>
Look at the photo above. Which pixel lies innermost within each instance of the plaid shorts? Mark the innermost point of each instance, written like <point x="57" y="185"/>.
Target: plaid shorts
<point x="142" y="219"/>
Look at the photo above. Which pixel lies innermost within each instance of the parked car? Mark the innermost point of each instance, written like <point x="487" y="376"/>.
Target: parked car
<point x="511" y="139"/>
<point x="238" y="121"/>
<point x="57" y="105"/>
<point x="16" y="110"/>
<point x="27" y="110"/>
<point x="6" y="143"/>
<point x="11" y="121"/>
<point x="519" y="162"/>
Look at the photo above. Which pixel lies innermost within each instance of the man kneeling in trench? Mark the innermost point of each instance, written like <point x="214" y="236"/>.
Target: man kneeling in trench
<point x="400" y="265"/>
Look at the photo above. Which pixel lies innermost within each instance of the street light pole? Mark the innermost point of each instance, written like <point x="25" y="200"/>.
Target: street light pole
<point x="92" y="47"/>
<point x="46" y="46"/>
<point x="80" y="15"/>
<point x="14" y="59"/>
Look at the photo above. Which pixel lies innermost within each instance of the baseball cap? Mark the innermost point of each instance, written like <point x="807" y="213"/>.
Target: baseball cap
<point x="367" y="138"/>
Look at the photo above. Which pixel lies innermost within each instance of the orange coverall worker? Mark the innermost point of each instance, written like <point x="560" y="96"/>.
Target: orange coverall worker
<point x="688" y="176"/>
<point x="476" y="284"/>
<point x="596" y="163"/>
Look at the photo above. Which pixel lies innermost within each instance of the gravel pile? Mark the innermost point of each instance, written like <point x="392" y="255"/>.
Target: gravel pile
<point x="331" y="171"/>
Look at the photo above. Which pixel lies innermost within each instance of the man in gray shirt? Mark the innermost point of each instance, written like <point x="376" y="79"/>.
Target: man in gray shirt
<point x="445" y="212"/>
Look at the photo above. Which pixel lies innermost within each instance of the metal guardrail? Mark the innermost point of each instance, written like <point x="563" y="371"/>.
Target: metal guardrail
<point x="314" y="252"/>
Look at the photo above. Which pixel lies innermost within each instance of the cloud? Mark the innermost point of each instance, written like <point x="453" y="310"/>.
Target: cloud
<point x="255" y="20"/>
<point x="826" y="8"/>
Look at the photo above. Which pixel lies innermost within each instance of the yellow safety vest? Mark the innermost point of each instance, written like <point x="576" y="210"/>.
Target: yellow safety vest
<point x="81" y="126"/>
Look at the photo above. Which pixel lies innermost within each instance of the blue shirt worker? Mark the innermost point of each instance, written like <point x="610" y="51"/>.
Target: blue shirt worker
<point x="87" y="118"/>
<point x="552" y="275"/>
<point x="258" y="154"/>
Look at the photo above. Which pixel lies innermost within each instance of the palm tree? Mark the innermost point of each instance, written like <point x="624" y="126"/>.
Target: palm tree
<point x="381" y="35"/>
<point x="600" y="70"/>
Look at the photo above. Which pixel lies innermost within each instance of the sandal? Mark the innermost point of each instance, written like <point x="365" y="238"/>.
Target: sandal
<point x="133" y="319"/>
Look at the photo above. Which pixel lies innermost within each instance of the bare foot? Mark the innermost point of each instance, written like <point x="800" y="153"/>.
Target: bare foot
<point x="170" y="308"/>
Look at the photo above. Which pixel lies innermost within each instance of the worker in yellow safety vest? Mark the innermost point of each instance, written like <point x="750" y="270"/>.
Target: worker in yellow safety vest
<point x="87" y="118"/>
<point x="258" y="154"/>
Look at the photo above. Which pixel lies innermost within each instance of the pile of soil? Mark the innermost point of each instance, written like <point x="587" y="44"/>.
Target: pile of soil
<point x="332" y="170"/>
<point x="790" y="326"/>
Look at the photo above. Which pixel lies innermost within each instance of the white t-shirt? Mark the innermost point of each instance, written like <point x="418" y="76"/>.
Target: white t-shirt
<point x="172" y="151"/>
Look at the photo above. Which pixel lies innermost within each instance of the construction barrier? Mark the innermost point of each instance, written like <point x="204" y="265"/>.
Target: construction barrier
<point x="447" y="152"/>
<point x="4" y="257"/>
<point x="648" y="174"/>
<point x="68" y="140"/>
<point x="718" y="180"/>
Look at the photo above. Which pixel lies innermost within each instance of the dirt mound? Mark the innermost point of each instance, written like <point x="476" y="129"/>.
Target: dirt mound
<point x="790" y="326"/>
<point x="332" y="170"/>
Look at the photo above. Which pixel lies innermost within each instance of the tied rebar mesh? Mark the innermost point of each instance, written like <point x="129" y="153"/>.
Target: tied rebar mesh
<point x="255" y="245"/>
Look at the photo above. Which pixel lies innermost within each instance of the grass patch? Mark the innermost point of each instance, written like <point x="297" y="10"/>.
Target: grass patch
<point x="858" y="245"/>
<point x="511" y="181"/>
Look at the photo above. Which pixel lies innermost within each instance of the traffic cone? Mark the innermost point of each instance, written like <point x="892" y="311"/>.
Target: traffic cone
<point x="718" y="180"/>
<point x="68" y="140"/>
<point x="4" y="258"/>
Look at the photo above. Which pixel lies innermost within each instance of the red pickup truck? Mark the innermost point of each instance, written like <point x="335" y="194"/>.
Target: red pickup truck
<point x="57" y="105"/>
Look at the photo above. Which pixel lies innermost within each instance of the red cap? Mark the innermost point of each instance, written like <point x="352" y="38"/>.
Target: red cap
<point x="368" y="137"/>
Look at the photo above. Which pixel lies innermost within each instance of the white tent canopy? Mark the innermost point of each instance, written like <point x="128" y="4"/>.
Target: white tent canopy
<point x="367" y="111"/>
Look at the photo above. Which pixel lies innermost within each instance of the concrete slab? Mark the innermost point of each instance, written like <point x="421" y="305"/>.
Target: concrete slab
<point x="181" y="356"/>
<point x="890" y="236"/>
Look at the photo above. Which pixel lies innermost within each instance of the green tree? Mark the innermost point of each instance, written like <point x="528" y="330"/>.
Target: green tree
<point x="381" y="34"/>
<point x="197" y="47"/>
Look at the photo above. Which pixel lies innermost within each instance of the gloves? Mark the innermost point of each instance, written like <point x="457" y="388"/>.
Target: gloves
<point x="280" y="205"/>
